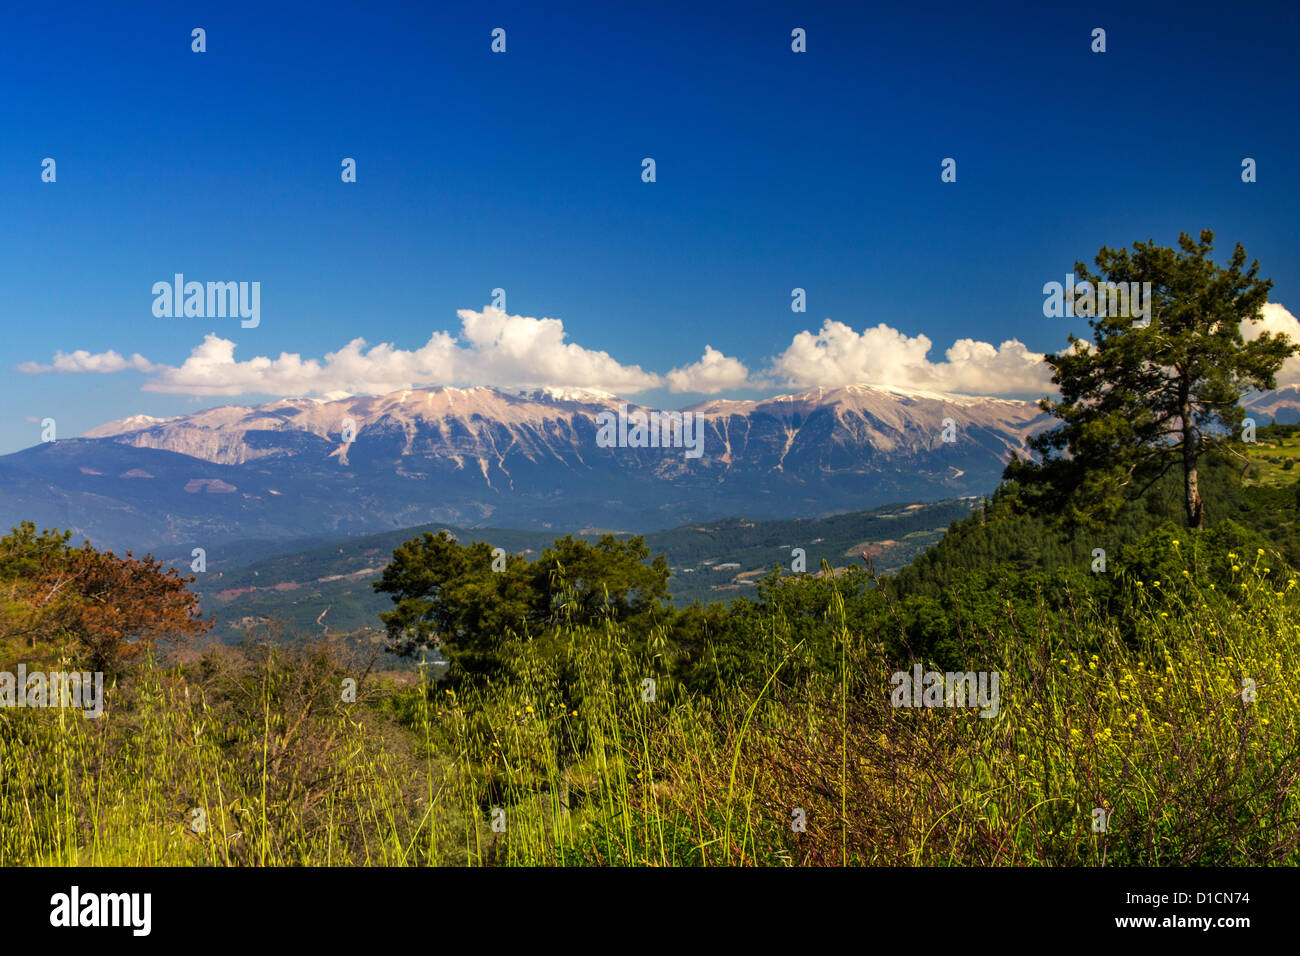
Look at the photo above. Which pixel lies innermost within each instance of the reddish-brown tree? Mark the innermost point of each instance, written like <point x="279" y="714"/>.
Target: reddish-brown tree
<point x="111" y="607"/>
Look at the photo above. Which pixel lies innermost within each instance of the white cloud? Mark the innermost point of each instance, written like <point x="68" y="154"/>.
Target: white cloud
<point x="713" y="373"/>
<point x="83" y="361"/>
<point x="493" y="349"/>
<point x="837" y="355"/>
<point x="212" y="369"/>
<point x="1276" y="318"/>
<point x="517" y="350"/>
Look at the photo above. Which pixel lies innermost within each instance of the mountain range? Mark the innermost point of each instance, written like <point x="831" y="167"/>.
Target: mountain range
<point x="480" y="456"/>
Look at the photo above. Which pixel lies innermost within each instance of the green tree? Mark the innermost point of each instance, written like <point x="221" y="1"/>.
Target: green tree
<point x="448" y="596"/>
<point x="1143" y="399"/>
<point x="609" y="578"/>
<point x="469" y="605"/>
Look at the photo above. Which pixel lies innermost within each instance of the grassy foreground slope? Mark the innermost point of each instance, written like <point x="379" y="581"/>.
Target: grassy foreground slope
<point x="1181" y="724"/>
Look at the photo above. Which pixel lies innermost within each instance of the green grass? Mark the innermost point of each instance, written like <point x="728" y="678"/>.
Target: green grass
<point x="1272" y="458"/>
<point x="1153" y="728"/>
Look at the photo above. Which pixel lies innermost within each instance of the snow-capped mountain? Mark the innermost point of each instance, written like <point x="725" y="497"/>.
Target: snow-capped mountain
<point x="484" y="456"/>
<point x="485" y="426"/>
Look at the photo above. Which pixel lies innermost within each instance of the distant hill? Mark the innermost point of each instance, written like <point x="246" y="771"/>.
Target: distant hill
<point x="325" y="590"/>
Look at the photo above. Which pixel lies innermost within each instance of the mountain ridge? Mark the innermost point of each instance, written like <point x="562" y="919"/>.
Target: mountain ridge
<point x="484" y="456"/>
<point x="196" y="434"/>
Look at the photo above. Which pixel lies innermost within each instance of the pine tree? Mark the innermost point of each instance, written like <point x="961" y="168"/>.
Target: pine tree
<point x="1149" y="396"/>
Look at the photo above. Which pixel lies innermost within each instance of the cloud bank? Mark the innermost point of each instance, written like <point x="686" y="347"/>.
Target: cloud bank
<point x="508" y="351"/>
<point x="837" y="355"/>
<point x="493" y="349"/>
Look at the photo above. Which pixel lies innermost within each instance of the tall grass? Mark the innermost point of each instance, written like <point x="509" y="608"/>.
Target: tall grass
<point x="259" y="760"/>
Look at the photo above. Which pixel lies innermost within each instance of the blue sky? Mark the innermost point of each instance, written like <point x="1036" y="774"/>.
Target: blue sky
<point x="522" y="171"/>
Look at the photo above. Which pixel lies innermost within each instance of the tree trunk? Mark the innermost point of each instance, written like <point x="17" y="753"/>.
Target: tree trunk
<point x="1191" y="487"/>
